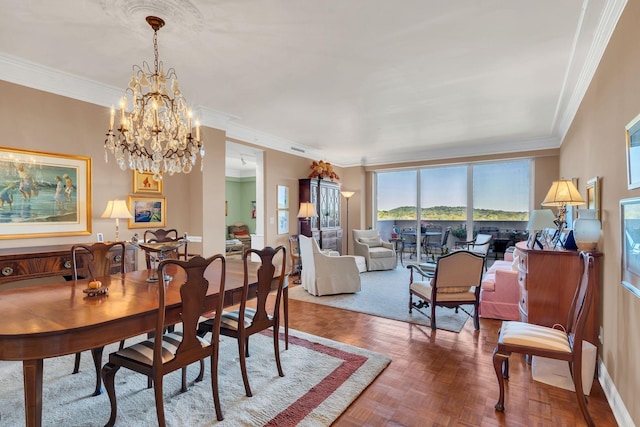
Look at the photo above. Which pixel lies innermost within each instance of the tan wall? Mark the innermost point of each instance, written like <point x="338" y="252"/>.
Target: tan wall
<point x="595" y="146"/>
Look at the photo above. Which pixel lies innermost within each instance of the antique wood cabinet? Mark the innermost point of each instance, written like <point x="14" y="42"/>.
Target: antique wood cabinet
<point x="45" y="261"/>
<point x="325" y="228"/>
<point x="548" y="280"/>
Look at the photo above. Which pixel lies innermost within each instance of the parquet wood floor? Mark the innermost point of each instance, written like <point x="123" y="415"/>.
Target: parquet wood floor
<point x="442" y="378"/>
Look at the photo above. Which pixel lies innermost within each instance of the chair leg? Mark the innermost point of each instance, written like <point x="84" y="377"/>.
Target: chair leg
<point x="76" y="364"/>
<point x="433" y="316"/>
<point x="243" y="364"/>
<point x="184" y="380"/>
<point x="96" y="353"/>
<point x="157" y="388"/>
<point x="499" y="362"/>
<point x="201" y="374"/>
<point x="108" y="376"/>
<point x="214" y="384"/>
<point x="276" y="348"/>
<point x="576" y="373"/>
<point x="476" y="317"/>
<point x="285" y="295"/>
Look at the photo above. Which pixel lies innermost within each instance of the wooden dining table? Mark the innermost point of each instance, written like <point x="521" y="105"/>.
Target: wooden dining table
<point x="57" y="319"/>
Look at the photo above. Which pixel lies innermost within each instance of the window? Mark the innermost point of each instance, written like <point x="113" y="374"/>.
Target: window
<point x="443" y="193"/>
<point x="501" y="191"/>
<point x="396" y="195"/>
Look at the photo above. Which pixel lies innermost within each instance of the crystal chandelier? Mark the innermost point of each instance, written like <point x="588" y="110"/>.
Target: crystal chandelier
<point x="156" y="136"/>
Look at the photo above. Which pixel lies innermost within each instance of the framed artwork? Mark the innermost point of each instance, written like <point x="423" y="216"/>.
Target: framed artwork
<point x="253" y="209"/>
<point x="226" y="208"/>
<point x="44" y="194"/>
<point x="143" y="182"/>
<point x="147" y="211"/>
<point x="283" y="222"/>
<point x="630" y="244"/>
<point x="593" y="195"/>
<point x="283" y="197"/>
<point x="632" y="133"/>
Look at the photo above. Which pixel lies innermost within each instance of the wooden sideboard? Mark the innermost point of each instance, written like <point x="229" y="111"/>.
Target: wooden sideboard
<point x="45" y="261"/>
<point x="548" y="280"/>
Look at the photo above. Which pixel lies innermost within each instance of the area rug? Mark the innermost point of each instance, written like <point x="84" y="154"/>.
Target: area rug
<point x="322" y="378"/>
<point x="386" y="294"/>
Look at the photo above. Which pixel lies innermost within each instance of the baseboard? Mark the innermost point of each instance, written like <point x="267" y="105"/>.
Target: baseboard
<point x="615" y="401"/>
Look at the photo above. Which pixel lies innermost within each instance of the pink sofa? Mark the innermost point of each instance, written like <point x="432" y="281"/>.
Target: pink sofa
<point x="500" y="292"/>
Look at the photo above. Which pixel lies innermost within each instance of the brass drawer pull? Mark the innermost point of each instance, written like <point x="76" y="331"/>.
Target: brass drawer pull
<point x="118" y="258"/>
<point x="67" y="264"/>
<point x="7" y="271"/>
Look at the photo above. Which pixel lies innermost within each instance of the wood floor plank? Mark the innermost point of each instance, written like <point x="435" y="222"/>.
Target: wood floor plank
<point x="442" y="378"/>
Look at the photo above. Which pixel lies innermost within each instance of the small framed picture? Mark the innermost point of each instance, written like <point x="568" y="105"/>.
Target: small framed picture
<point x="632" y="133"/>
<point x="283" y="197"/>
<point x="100" y="237"/>
<point x="143" y="182"/>
<point x="148" y="212"/>
<point x="283" y="222"/>
<point x="630" y="244"/>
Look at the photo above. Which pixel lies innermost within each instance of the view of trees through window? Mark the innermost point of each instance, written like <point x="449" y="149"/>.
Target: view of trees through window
<point x="499" y="191"/>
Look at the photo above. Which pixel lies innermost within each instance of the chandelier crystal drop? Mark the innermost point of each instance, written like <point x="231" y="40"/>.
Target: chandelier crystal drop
<point x="156" y="135"/>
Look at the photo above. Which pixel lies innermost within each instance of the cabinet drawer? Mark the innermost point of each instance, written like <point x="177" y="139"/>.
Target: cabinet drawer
<point x="36" y="267"/>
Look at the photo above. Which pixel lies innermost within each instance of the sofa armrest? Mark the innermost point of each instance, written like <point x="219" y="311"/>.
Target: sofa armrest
<point x="360" y="249"/>
<point x="507" y="284"/>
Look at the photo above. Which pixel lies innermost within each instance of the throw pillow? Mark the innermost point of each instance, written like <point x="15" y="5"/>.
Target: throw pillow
<point x="372" y="242"/>
<point x="241" y="233"/>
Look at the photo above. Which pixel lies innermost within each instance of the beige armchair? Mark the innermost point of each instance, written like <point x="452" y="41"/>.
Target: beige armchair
<point x="323" y="274"/>
<point x="378" y="254"/>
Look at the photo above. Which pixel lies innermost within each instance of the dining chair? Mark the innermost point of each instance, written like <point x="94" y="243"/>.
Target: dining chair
<point x="93" y="261"/>
<point x="558" y="342"/>
<point x="170" y="351"/>
<point x="246" y="321"/>
<point x="161" y="235"/>
<point x="456" y="282"/>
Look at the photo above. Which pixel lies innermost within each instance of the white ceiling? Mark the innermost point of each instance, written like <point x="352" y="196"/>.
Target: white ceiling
<point x="349" y="81"/>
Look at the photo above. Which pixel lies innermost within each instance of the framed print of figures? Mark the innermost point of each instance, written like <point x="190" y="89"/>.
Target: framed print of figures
<point x="143" y="182"/>
<point x="44" y="194"/>
<point x="632" y="133"/>
<point x="148" y="212"/>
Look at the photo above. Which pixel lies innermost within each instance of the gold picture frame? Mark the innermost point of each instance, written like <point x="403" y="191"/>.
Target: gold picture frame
<point x="147" y="211"/>
<point x="593" y="195"/>
<point x="143" y="183"/>
<point x="44" y="194"/>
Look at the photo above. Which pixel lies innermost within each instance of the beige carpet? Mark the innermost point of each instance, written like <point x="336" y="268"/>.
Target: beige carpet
<point x="386" y="294"/>
<point x="322" y="378"/>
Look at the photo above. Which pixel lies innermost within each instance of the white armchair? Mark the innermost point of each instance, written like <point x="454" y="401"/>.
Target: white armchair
<point x="323" y="274"/>
<point x="378" y="254"/>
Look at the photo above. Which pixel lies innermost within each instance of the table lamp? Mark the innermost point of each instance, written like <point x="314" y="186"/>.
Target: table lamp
<point x="117" y="209"/>
<point x="538" y="221"/>
<point x="307" y="210"/>
<point x="562" y="193"/>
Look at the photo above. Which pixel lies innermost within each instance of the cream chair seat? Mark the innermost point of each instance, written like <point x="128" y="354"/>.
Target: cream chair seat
<point x="323" y="274"/>
<point x="378" y="254"/>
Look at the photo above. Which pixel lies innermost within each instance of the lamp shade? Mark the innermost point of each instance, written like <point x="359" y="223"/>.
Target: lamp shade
<point x="117" y="209"/>
<point x="563" y="193"/>
<point x="540" y="219"/>
<point x="347" y="194"/>
<point x="306" y="210"/>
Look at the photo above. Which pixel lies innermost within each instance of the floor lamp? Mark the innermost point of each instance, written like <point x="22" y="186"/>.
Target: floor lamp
<point x="347" y="195"/>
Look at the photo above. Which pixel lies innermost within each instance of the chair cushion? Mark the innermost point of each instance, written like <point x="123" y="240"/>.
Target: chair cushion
<point x="372" y="242"/>
<point x="143" y="351"/>
<point x="423" y="290"/>
<point x="530" y="335"/>
<point x="380" y="252"/>
<point x="229" y="319"/>
<point x="455" y="289"/>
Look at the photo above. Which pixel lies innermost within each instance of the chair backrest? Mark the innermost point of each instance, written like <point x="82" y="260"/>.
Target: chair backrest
<point x="365" y="234"/>
<point x="161" y="235"/>
<point x="458" y="271"/>
<point x="581" y="303"/>
<point x="200" y="275"/>
<point x="481" y="244"/>
<point x="271" y="276"/>
<point x="97" y="259"/>
<point x="445" y="236"/>
<point x="294" y="249"/>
